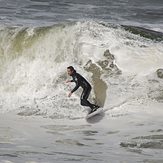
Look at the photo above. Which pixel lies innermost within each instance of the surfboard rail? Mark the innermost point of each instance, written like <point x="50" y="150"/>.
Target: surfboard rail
<point x="94" y="113"/>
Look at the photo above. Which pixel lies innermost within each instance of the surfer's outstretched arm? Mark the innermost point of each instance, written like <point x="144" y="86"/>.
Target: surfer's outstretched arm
<point x="68" y="81"/>
<point x="69" y="95"/>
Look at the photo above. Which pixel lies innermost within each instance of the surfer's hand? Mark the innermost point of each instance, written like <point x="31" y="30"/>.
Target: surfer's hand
<point x="68" y="81"/>
<point x="69" y="95"/>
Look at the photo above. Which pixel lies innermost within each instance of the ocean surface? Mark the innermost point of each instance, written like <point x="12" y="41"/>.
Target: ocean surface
<point x="117" y="45"/>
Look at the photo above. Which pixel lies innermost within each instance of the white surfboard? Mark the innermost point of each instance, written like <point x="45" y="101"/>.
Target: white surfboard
<point x="99" y="110"/>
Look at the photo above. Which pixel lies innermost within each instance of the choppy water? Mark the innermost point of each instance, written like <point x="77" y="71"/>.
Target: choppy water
<point x="116" y="45"/>
<point x="147" y="14"/>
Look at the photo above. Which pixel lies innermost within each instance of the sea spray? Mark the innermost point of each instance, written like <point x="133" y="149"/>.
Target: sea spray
<point x="121" y="67"/>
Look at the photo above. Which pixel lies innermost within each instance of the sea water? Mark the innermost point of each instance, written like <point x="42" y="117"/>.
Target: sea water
<point x="116" y="45"/>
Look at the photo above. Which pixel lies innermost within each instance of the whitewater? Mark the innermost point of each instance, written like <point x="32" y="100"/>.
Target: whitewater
<point x="124" y="65"/>
<point x="124" y="70"/>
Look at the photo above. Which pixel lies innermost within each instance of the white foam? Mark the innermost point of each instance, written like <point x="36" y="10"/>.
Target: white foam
<point x="34" y="75"/>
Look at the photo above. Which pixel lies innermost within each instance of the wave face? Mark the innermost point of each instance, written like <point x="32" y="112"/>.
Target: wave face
<point x="123" y="67"/>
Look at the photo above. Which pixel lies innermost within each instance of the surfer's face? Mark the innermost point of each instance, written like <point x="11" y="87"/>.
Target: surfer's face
<point x="69" y="71"/>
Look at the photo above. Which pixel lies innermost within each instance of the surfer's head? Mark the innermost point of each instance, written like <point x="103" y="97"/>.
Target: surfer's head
<point x="70" y="70"/>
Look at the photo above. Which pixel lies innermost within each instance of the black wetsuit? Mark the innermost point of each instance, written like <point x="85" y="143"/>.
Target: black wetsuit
<point x="80" y="81"/>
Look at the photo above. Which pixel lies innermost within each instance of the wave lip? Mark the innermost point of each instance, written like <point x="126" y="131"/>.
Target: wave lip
<point x="153" y="35"/>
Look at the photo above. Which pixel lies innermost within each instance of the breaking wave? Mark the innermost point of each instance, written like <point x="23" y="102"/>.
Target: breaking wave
<point x="123" y="64"/>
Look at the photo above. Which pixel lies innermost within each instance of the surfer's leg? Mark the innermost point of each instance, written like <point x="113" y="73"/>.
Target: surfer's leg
<point x="84" y="97"/>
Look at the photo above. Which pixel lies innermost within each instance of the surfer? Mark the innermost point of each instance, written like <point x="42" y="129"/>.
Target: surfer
<point x="81" y="81"/>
